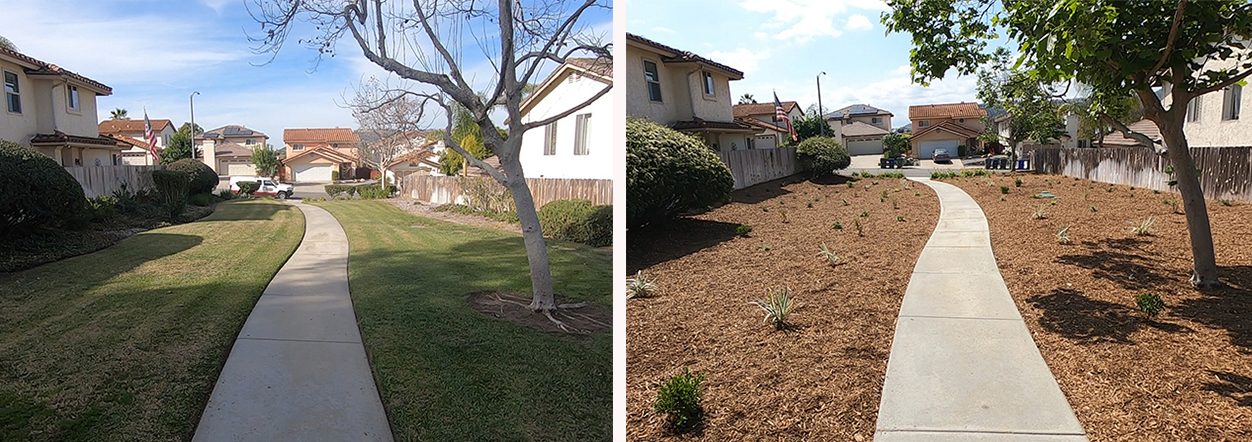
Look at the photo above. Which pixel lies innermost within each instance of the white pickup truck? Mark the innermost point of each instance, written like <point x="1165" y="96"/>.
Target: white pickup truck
<point x="268" y="186"/>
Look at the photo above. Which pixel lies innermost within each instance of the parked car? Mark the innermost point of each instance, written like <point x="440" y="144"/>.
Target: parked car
<point x="268" y="186"/>
<point x="942" y="156"/>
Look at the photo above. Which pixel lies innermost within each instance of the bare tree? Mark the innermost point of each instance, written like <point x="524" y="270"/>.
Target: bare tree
<point x="394" y="124"/>
<point x="423" y="41"/>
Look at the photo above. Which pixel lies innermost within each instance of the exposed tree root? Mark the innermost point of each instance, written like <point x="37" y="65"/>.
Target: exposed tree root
<point x="555" y="313"/>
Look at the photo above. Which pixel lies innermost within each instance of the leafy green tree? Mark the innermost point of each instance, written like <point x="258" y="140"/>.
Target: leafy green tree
<point x="1184" y="48"/>
<point x="1032" y="113"/>
<point x="465" y="131"/>
<point x="809" y="126"/>
<point x="265" y="160"/>
<point x="896" y="144"/>
<point x="178" y="148"/>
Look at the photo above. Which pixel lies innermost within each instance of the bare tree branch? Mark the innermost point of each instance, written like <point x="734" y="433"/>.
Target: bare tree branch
<point x="1173" y="36"/>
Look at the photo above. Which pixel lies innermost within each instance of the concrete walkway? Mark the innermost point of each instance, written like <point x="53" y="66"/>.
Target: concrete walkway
<point x="298" y="370"/>
<point x="963" y="365"/>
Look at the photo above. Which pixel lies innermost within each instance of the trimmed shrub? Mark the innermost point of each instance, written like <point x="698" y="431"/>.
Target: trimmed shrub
<point x="578" y="221"/>
<point x="172" y="187"/>
<point x="35" y="191"/>
<point x="678" y="399"/>
<point x="334" y="190"/>
<point x="248" y="187"/>
<point x="668" y="172"/>
<point x="822" y="156"/>
<point x="372" y="192"/>
<point x="202" y="178"/>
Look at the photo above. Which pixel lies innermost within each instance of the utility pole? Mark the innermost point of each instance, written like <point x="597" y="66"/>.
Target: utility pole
<point x="820" y="114"/>
<point x="192" y="99"/>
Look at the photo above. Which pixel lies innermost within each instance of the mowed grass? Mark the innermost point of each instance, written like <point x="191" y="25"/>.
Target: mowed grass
<point x="127" y="342"/>
<point x="447" y="372"/>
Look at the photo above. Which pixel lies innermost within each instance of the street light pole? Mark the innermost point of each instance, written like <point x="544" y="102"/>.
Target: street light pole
<point x="192" y="100"/>
<point x="820" y="114"/>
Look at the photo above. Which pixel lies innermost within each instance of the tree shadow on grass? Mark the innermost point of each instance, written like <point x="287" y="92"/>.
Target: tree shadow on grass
<point x="1076" y="317"/>
<point x="680" y="237"/>
<point x="1234" y="386"/>
<point x="1227" y="308"/>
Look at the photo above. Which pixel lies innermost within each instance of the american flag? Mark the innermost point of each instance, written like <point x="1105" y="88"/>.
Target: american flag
<point x="150" y="137"/>
<point x="781" y="115"/>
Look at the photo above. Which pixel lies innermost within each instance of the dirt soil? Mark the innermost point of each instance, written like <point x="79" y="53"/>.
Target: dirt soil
<point x="819" y="381"/>
<point x="575" y="318"/>
<point x="429" y="211"/>
<point x="1185" y="375"/>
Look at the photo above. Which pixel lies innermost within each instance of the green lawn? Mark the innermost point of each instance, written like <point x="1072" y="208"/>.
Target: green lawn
<point x="127" y="342"/>
<point x="447" y="372"/>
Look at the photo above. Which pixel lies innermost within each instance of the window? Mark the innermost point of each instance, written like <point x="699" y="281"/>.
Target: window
<point x="297" y="147"/>
<point x="1230" y="102"/>
<point x="875" y="120"/>
<point x="708" y="84"/>
<point x="1193" y="109"/>
<point x="923" y="123"/>
<point x="653" y="78"/>
<point x="580" y="133"/>
<point x="167" y="140"/>
<point x="549" y="139"/>
<point x="334" y="145"/>
<point x="71" y="96"/>
<point x="250" y="141"/>
<point x="12" y="92"/>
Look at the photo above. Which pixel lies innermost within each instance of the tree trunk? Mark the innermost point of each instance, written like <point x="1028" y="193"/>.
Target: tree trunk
<point x="542" y="293"/>
<point x="1204" y="270"/>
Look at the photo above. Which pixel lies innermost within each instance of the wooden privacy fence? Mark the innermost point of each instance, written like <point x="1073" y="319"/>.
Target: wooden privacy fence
<point x="452" y="189"/>
<point x="755" y="166"/>
<point x="103" y="180"/>
<point x="1225" y="172"/>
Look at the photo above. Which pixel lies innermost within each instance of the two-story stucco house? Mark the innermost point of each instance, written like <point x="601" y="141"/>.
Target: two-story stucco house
<point x="771" y="132"/>
<point x="53" y="110"/>
<point x="132" y="132"/>
<point x="228" y="149"/>
<point x="1215" y="119"/>
<point x="685" y="91"/>
<point x="579" y="145"/>
<point x="318" y="155"/>
<point x="946" y="126"/>
<point x="861" y="128"/>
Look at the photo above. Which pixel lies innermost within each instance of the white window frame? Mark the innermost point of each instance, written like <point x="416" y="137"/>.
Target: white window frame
<point x="549" y="139"/>
<point x="654" y="81"/>
<point x="1193" y="110"/>
<point x="708" y="84"/>
<point x="297" y="147"/>
<point x="73" y="101"/>
<point x="1231" y="102"/>
<point x="17" y="91"/>
<point x="581" y="123"/>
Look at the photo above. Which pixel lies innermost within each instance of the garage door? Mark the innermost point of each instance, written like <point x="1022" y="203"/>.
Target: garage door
<point x="865" y="147"/>
<point x="926" y="149"/>
<point x="240" y="169"/>
<point x="311" y="173"/>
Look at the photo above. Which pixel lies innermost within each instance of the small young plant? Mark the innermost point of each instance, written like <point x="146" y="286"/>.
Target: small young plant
<point x="763" y="247"/>
<point x="860" y="231"/>
<point x="1004" y="190"/>
<point x="850" y="185"/>
<point x="899" y="219"/>
<point x="1062" y="236"/>
<point x="864" y="214"/>
<point x="1039" y="213"/>
<point x="1094" y="209"/>
<point x="809" y="205"/>
<point x="1226" y="202"/>
<point x="1173" y="204"/>
<point x="784" y="216"/>
<point x="829" y="255"/>
<point x="639" y="287"/>
<point x="837" y="225"/>
<point x="1144" y="228"/>
<point x="846" y="203"/>
<point x="1150" y="304"/>
<point x="1017" y="182"/>
<point x="679" y="400"/>
<point x="743" y="230"/>
<point x="777" y="305"/>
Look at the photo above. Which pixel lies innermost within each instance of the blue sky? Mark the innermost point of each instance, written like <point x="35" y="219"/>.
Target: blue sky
<point x="782" y="45"/>
<point x="154" y="53"/>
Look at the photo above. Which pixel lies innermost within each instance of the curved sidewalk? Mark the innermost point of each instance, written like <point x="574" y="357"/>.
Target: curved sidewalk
<point x="298" y="371"/>
<point x="963" y="365"/>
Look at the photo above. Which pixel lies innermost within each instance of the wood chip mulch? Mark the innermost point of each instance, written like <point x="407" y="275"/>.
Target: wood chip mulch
<point x="822" y="379"/>
<point x="1185" y="375"/>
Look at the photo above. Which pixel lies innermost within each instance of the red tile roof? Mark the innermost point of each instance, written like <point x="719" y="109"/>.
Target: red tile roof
<point x="950" y="126"/>
<point x="45" y="68"/>
<point x="602" y="66"/>
<point x="120" y="126"/>
<point x="681" y="56"/>
<point x="747" y="110"/>
<point x="58" y="137"/>
<point x="949" y="110"/>
<point x="320" y="135"/>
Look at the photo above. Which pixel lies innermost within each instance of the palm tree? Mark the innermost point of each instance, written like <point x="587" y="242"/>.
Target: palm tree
<point x="7" y="44"/>
<point x="118" y="114"/>
<point x="747" y="99"/>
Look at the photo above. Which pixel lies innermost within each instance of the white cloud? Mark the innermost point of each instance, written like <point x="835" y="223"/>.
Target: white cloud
<point x="218" y="5"/>
<point x="804" y="20"/>
<point x="858" y="22"/>
<point x="743" y="59"/>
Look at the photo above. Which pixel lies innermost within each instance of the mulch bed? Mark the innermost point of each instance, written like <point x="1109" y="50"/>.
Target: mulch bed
<point x="1187" y="374"/>
<point x="820" y="380"/>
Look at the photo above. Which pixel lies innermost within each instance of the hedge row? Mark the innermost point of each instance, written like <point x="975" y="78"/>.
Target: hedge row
<point x="578" y="221"/>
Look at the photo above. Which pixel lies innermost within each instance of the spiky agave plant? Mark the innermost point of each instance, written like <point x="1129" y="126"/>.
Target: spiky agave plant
<point x="778" y="305"/>
<point x="828" y="255"/>
<point x="1062" y="236"/>
<point x="1144" y="228"/>
<point x="639" y="287"/>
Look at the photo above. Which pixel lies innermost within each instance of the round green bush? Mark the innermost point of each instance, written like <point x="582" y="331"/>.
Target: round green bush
<point x="822" y="155"/>
<point x="35" y="191"/>
<point x="577" y="221"/>
<point x="669" y="172"/>
<point x="172" y="186"/>
<point x="203" y="178"/>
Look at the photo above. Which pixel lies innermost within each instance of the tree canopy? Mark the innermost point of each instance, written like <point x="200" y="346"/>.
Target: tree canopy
<point x="265" y="159"/>
<point x="1033" y="113"/>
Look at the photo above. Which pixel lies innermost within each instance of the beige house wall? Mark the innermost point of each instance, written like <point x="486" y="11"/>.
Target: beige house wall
<point x="15" y="127"/>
